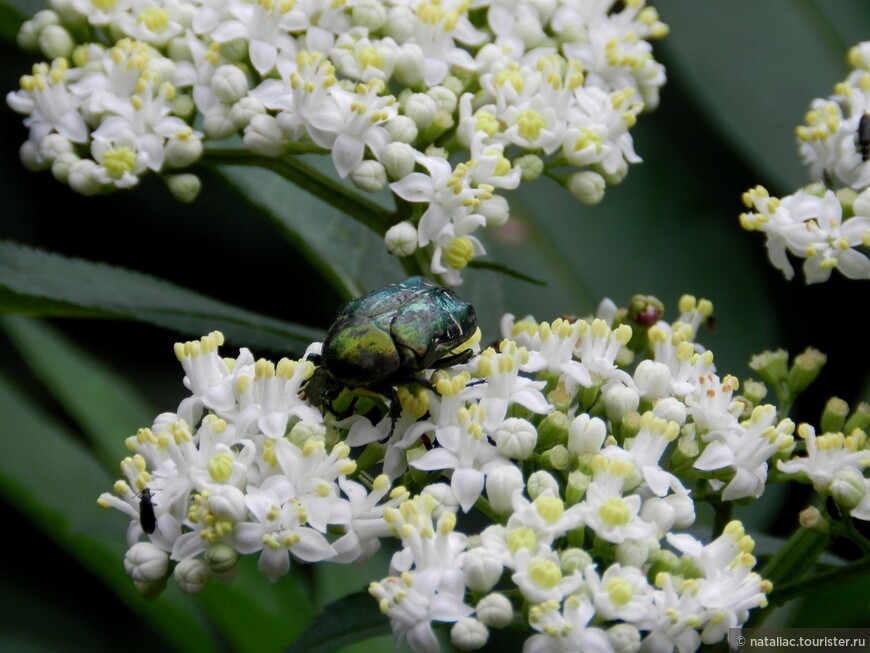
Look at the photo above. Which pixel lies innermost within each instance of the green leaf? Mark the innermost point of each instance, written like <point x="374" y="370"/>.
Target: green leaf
<point x="103" y="403"/>
<point x="351" y="256"/>
<point x="36" y="282"/>
<point x="351" y="619"/>
<point x="54" y="482"/>
<point x="753" y="68"/>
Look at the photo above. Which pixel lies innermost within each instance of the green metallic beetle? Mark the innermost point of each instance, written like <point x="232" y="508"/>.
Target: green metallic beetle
<point x="388" y="337"/>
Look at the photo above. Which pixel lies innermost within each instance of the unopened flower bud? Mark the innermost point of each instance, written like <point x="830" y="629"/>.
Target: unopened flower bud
<point x="401" y="23"/>
<point x="217" y="124"/>
<point x="620" y="400"/>
<point x="684" y="509"/>
<point x="229" y="83"/>
<point x="183" y="150"/>
<point x="586" y="435"/>
<point x="303" y="432"/>
<point x="444" y="98"/>
<point x="263" y="135"/>
<point x="227" y="503"/>
<point x="804" y="370"/>
<point x="369" y="13"/>
<point x="420" y="108"/>
<point x="398" y="159"/>
<point x="27" y="37"/>
<point x="495" y="610"/>
<point x="495" y="210"/>
<point x="574" y="559"/>
<point x="145" y="562"/>
<point x="531" y="167"/>
<point x="183" y="106"/>
<point x="671" y="409"/>
<point x="468" y="634"/>
<point x="587" y="186"/>
<point x="848" y="488"/>
<point x="401" y="239"/>
<point x="185" y="188"/>
<point x="635" y="553"/>
<point x="55" y="41"/>
<point x="516" y="438"/>
<point x="192" y="575"/>
<point x="83" y="177"/>
<point x="615" y="176"/>
<point x="402" y="129"/>
<point x="235" y="50"/>
<point x="369" y="176"/>
<point x="653" y="379"/>
<point x="659" y="512"/>
<point x="481" y="569"/>
<point x="540" y="482"/>
<point x="52" y="146"/>
<point x="500" y="485"/>
<point x="624" y="638"/>
<point x="221" y="558"/>
<point x="445" y="498"/>
<point x="61" y="165"/>
<point x="243" y="111"/>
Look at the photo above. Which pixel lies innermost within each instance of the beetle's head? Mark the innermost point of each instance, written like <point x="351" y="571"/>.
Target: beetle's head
<point x="322" y="388"/>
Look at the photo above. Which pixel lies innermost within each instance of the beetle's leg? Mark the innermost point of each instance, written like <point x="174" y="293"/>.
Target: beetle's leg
<point x="454" y="359"/>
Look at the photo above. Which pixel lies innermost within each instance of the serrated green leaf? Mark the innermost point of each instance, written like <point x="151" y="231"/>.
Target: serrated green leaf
<point x="44" y="283"/>
<point x="103" y="403"/>
<point x="52" y="480"/>
<point x="351" y="619"/>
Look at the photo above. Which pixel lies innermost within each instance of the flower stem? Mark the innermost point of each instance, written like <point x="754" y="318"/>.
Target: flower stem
<point x="366" y="212"/>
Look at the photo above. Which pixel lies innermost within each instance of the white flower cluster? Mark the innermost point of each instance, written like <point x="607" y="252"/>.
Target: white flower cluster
<point x="828" y="223"/>
<point x="586" y="460"/>
<point x="509" y="88"/>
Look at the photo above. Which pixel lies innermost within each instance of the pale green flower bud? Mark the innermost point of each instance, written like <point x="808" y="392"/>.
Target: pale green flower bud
<point x="574" y="559"/>
<point x="529" y="30"/>
<point x="303" y="432"/>
<point x="229" y="83"/>
<point x="619" y="400"/>
<point x="263" y="135"/>
<point x="68" y="14"/>
<point x="235" y="50"/>
<point x="586" y="434"/>
<point x="221" y="558"/>
<point x="420" y="108"/>
<point x="659" y="512"/>
<point x="53" y="145"/>
<point x="587" y="186"/>
<point x="243" y="111"/>
<point x="834" y="415"/>
<point x="398" y="159"/>
<point x="556" y="457"/>
<point x="369" y="13"/>
<point x="671" y="409"/>
<point x="55" y="41"/>
<point x="804" y="370"/>
<point x="653" y="379"/>
<point x="217" y="125"/>
<point x="401" y="23"/>
<point x="82" y="177"/>
<point x="540" y="482"/>
<point x="163" y="69"/>
<point x="445" y="499"/>
<point x="848" y="488"/>
<point x="402" y="129"/>
<point x="29" y="155"/>
<point x="516" y="438"/>
<point x="495" y="210"/>
<point x="178" y="49"/>
<point x="468" y="634"/>
<point x="635" y="553"/>
<point x="481" y="569"/>
<point x="182" y="151"/>
<point x="615" y="178"/>
<point x="444" y="98"/>
<point x="495" y="610"/>
<point x="436" y="151"/>
<point x="500" y="485"/>
<point x="531" y="167"/>
<point x="408" y="65"/>
<point x="227" y="502"/>
<point x="183" y="106"/>
<point x="575" y="489"/>
<point x="573" y="33"/>
<point x="145" y="562"/>
<point x="27" y="37"/>
<point x="185" y="188"/>
<point x="684" y="510"/>
<point x="192" y="575"/>
<point x="624" y="638"/>
<point x="43" y="19"/>
<point x="401" y="239"/>
<point x="61" y="165"/>
<point x="369" y="175"/>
